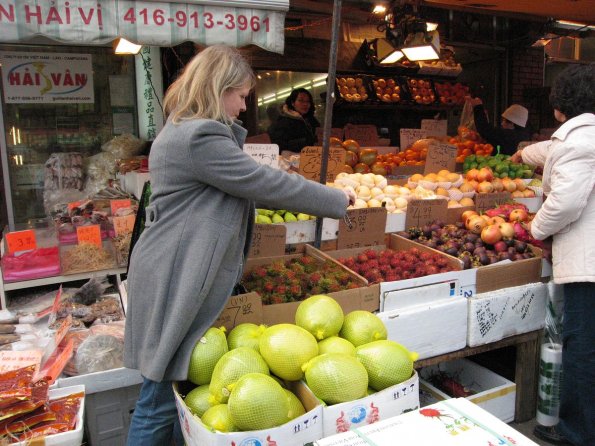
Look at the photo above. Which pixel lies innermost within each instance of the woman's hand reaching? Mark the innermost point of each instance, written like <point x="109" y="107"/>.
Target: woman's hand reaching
<point x="350" y="194"/>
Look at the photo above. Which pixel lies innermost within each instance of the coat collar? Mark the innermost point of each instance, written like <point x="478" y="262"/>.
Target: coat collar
<point x="571" y="124"/>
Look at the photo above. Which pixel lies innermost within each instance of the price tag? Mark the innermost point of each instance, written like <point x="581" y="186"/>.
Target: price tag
<point x="89" y="234"/>
<point x="365" y="135"/>
<point x="124" y="225"/>
<point x="311" y="157"/>
<point x="14" y="360"/>
<point x="423" y="212"/>
<point x="267" y="154"/>
<point x="483" y="202"/>
<point x="409" y="136"/>
<point x="362" y="227"/>
<point x="21" y="241"/>
<point x="268" y="240"/>
<point x="440" y="156"/>
<point x="74" y="204"/>
<point x="119" y="204"/>
<point x="434" y="127"/>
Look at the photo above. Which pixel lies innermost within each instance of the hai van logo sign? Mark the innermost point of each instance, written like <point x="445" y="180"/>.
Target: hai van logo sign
<point x="47" y="78"/>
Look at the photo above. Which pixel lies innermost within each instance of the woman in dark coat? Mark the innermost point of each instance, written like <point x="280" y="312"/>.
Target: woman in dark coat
<point x="198" y="229"/>
<point x="296" y="125"/>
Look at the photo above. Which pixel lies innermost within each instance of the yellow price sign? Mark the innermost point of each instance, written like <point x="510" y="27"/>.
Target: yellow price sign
<point x="21" y="241"/>
<point x="124" y="225"/>
<point x="89" y="234"/>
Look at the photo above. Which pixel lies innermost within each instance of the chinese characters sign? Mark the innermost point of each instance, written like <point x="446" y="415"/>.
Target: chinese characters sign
<point x="144" y="22"/>
<point x="149" y="90"/>
<point x="35" y="78"/>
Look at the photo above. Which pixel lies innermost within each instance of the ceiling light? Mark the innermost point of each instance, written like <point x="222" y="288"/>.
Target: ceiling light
<point x="126" y="47"/>
<point x="422" y="46"/>
<point x="379" y="9"/>
<point x="431" y="26"/>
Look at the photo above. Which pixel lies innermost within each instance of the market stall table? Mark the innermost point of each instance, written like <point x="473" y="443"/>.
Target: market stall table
<point x="526" y="368"/>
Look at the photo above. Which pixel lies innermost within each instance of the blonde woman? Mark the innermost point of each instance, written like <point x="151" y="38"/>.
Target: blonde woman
<point x="198" y="229"/>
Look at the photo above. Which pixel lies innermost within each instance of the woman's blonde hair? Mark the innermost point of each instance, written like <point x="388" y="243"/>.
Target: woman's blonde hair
<point x="198" y="92"/>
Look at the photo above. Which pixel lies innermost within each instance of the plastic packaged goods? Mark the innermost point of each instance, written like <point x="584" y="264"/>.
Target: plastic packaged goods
<point x="33" y="264"/>
<point x="99" y="352"/>
<point x="86" y="257"/>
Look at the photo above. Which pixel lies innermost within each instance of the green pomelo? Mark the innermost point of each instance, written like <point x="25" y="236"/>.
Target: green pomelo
<point x="387" y="362"/>
<point x="370" y="391"/>
<point x="285" y="348"/>
<point x="361" y="327"/>
<point x="296" y="408"/>
<point x="231" y="367"/>
<point x="245" y="335"/>
<point x="336" y="378"/>
<point x="197" y="400"/>
<point x="321" y="315"/>
<point x="219" y="418"/>
<point x="335" y="344"/>
<point x="258" y="402"/>
<point x="207" y="351"/>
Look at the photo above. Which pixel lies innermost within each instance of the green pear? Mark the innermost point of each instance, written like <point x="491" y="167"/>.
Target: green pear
<point x="276" y="218"/>
<point x="289" y="217"/>
<point x="263" y="220"/>
<point x="303" y="217"/>
<point x="280" y="212"/>
<point x="266" y="212"/>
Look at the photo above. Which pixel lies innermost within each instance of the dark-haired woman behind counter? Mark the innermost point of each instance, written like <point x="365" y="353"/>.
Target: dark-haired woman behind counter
<point x="295" y="127"/>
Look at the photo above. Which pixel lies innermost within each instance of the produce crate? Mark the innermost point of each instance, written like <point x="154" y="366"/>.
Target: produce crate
<point x="353" y="88"/>
<point x="387" y="403"/>
<point x="491" y="391"/>
<point x="298" y="431"/>
<point x="388" y="89"/>
<point x="420" y="91"/>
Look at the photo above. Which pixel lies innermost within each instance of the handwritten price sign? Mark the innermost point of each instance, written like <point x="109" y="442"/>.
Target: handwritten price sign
<point x="268" y="241"/>
<point x="119" y="204"/>
<point x="124" y="225"/>
<point x="89" y="234"/>
<point x="267" y="154"/>
<point x="21" y="241"/>
<point x="362" y="227"/>
<point x="311" y="158"/>
<point x="440" y="156"/>
<point x="483" y="202"/>
<point x="423" y="212"/>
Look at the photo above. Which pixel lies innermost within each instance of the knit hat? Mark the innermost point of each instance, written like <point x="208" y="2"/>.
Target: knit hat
<point x="517" y="114"/>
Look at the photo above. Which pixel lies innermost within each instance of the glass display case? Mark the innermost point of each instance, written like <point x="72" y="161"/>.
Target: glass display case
<point x="35" y="130"/>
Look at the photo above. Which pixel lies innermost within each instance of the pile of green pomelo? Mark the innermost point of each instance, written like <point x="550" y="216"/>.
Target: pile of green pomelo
<point x="242" y="380"/>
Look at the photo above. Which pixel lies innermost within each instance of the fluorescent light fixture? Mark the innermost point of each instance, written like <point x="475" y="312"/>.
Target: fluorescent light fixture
<point x="319" y="84"/>
<point x="430" y="26"/>
<point x="126" y="47"/>
<point x="386" y="53"/>
<point x="379" y="9"/>
<point x="422" y="46"/>
<point x="268" y="100"/>
<point x="321" y="78"/>
<point x="573" y="25"/>
<point x="303" y="84"/>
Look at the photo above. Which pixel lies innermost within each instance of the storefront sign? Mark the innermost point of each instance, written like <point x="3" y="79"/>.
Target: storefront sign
<point x="149" y="92"/>
<point x="47" y="78"/>
<point x="146" y="22"/>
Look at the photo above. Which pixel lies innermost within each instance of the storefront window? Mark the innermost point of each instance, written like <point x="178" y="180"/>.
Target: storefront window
<point x="273" y="87"/>
<point x="34" y="128"/>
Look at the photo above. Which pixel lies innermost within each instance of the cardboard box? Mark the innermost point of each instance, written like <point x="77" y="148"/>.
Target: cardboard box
<point x="363" y="298"/>
<point x="454" y="422"/>
<point x="381" y="405"/>
<point x="492" y="392"/>
<point x="426" y="324"/>
<point x="455" y="281"/>
<point x="299" y="431"/>
<point x="70" y="438"/>
<point x="506" y="312"/>
<point x="498" y="275"/>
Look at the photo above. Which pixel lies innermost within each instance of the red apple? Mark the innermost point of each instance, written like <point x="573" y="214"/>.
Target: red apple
<point x="518" y="215"/>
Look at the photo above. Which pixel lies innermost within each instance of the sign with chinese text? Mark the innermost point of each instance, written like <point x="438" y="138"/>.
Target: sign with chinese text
<point x="21" y="241"/>
<point x="268" y="240"/>
<point x="434" y="127"/>
<point x="124" y="225"/>
<point x="409" y="136"/>
<point x="89" y="234"/>
<point x="237" y="23"/>
<point x="46" y="78"/>
<point x="267" y="154"/>
<point x="311" y="159"/>
<point x="149" y="92"/>
<point x="362" y="227"/>
<point x="424" y="212"/>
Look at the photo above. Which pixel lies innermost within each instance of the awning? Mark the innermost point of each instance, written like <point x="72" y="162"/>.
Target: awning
<point x="157" y="23"/>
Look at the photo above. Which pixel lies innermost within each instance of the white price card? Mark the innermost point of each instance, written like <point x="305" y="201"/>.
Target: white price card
<point x="409" y="136"/>
<point x="267" y="154"/>
<point x="434" y="127"/>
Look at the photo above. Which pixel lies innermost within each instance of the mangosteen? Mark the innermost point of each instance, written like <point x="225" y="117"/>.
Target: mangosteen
<point x="509" y="242"/>
<point x="471" y="237"/>
<point x="493" y="259"/>
<point x="460" y="225"/>
<point x="512" y="251"/>
<point x="427" y="231"/>
<point x="479" y="250"/>
<point x="520" y="246"/>
<point x="431" y="244"/>
<point x="441" y="248"/>
<point x="435" y="228"/>
<point x="484" y="259"/>
<point x="503" y="256"/>
<point x="469" y="246"/>
<point x="451" y="251"/>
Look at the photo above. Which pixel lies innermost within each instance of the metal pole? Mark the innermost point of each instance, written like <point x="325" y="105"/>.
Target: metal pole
<point x="330" y="100"/>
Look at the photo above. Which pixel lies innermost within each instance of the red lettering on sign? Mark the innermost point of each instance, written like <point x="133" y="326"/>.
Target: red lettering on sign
<point x="8" y="14"/>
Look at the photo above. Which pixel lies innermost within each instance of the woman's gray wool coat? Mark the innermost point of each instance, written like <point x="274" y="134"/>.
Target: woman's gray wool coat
<point x="199" y="221"/>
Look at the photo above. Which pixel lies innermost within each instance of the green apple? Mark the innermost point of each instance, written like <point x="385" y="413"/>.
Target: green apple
<point x="276" y="218"/>
<point x="289" y="217"/>
<point x="303" y="217"/>
<point x="263" y="220"/>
